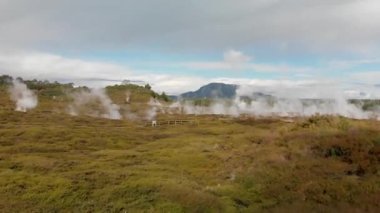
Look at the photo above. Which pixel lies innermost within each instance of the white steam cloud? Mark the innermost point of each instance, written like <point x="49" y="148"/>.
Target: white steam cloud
<point x="95" y="103"/>
<point x="154" y="107"/>
<point x="300" y="100"/>
<point x="24" y="98"/>
<point x="283" y="101"/>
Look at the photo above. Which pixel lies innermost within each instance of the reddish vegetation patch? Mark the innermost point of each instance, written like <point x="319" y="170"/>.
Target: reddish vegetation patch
<point x="355" y="148"/>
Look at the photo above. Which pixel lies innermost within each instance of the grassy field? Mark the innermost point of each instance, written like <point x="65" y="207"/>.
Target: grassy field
<point x="53" y="162"/>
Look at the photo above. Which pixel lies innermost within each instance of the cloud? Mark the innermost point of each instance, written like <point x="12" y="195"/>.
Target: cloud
<point x="237" y="61"/>
<point x="256" y="67"/>
<point x="50" y="66"/>
<point x="236" y="58"/>
<point x="45" y="66"/>
<point x="366" y="77"/>
<point x="30" y="65"/>
<point x="174" y="84"/>
<point x="324" y="25"/>
<point x="347" y="64"/>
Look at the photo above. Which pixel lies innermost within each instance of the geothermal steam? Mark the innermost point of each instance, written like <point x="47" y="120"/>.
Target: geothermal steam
<point x="277" y="100"/>
<point x="154" y="107"/>
<point x="299" y="100"/>
<point x="282" y="101"/>
<point x="24" y="98"/>
<point x="95" y="103"/>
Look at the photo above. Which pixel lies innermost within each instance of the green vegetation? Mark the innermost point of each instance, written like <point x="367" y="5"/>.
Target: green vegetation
<point x="53" y="162"/>
<point x="367" y="104"/>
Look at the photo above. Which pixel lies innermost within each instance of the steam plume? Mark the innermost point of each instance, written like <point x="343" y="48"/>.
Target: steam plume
<point x="154" y="107"/>
<point x="95" y="103"/>
<point x="24" y="98"/>
<point x="282" y="101"/>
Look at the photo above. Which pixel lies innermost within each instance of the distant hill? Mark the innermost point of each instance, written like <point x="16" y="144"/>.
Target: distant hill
<point x="218" y="90"/>
<point x="213" y="90"/>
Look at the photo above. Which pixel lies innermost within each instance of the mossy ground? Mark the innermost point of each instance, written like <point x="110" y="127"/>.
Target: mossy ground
<point x="53" y="162"/>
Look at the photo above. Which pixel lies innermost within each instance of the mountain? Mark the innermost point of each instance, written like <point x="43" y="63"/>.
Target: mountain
<point x="213" y="90"/>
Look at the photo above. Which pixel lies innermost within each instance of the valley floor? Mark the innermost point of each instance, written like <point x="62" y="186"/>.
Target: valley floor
<point x="52" y="162"/>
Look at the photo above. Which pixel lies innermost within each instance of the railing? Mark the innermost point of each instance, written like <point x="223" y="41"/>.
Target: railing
<point x="172" y="123"/>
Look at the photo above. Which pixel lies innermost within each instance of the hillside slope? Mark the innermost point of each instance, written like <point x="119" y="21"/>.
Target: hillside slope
<point x="53" y="162"/>
<point x="57" y="97"/>
<point x="212" y="90"/>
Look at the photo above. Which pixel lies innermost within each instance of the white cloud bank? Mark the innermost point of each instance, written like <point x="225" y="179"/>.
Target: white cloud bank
<point x="327" y="25"/>
<point x="55" y="67"/>
<point x="43" y="66"/>
<point x="234" y="60"/>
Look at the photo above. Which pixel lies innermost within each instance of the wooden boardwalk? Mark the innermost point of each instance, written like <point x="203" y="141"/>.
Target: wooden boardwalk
<point x="172" y="123"/>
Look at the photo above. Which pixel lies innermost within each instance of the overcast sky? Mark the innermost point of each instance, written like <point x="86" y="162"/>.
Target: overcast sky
<point x="180" y="45"/>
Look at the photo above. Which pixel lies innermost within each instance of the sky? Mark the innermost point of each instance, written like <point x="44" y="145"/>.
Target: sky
<point x="178" y="46"/>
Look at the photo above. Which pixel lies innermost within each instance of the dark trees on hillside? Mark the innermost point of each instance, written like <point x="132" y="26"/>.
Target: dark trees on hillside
<point x="147" y="86"/>
<point x="5" y="79"/>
